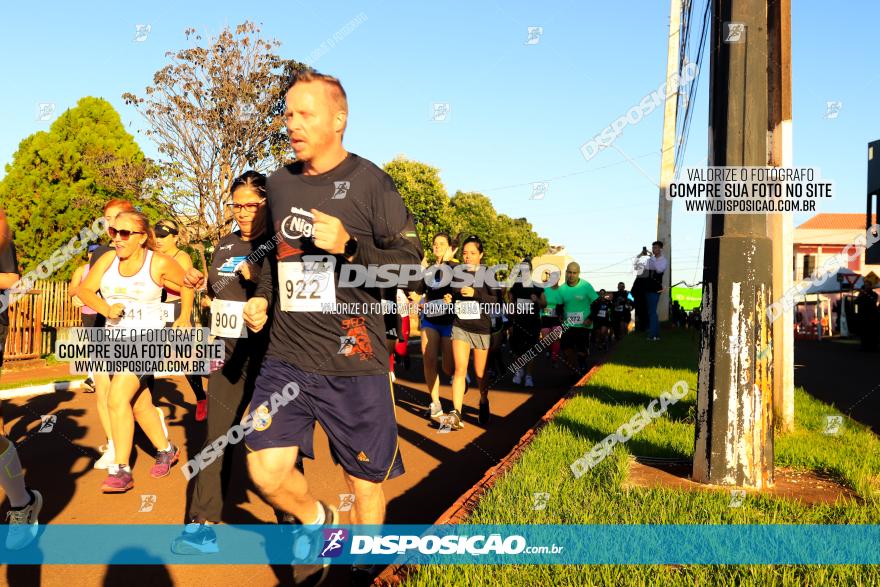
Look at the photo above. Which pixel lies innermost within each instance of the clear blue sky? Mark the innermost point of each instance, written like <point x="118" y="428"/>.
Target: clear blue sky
<point x="519" y="112"/>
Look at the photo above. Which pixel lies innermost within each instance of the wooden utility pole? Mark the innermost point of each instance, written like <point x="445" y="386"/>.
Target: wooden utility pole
<point x="667" y="153"/>
<point x="782" y="225"/>
<point x="734" y="420"/>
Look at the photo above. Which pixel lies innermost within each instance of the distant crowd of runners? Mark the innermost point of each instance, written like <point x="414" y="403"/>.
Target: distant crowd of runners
<point x="268" y="286"/>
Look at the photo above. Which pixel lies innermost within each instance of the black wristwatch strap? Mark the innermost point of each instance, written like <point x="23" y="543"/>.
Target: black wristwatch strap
<point x="351" y="247"/>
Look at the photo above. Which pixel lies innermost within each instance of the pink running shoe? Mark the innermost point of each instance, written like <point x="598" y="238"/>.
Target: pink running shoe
<point x="165" y="459"/>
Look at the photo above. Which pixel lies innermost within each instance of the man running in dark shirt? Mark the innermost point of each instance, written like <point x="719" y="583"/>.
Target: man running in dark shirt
<point x="330" y="210"/>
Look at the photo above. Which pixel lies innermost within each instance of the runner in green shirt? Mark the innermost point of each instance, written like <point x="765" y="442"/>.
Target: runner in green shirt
<point x="577" y="296"/>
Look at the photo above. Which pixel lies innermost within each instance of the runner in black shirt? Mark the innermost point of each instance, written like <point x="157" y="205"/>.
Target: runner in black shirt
<point x="232" y="279"/>
<point x="471" y="329"/>
<point x="622" y="312"/>
<point x="330" y="210"/>
<point x="436" y="319"/>
<point x="526" y="322"/>
<point x="600" y="315"/>
<point x="25" y="504"/>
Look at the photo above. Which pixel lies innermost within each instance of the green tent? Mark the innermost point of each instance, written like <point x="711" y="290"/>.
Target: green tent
<point x="687" y="297"/>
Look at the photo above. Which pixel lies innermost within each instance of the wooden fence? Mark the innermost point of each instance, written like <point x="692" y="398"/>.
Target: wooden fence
<point x="36" y="317"/>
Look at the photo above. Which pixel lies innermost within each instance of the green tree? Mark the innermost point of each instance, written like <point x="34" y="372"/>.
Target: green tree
<point x="505" y="240"/>
<point x="214" y="112"/>
<point x="59" y="181"/>
<point x="423" y="193"/>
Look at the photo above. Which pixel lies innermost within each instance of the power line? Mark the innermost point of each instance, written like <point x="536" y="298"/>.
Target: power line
<point x="590" y="170"/>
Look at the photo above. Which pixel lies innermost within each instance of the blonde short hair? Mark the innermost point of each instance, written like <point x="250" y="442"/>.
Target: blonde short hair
<point x="333" y="85"/>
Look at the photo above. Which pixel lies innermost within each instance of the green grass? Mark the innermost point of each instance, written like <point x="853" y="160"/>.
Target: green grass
<point x="638" y="373"/>
<point x="39" y="381"/>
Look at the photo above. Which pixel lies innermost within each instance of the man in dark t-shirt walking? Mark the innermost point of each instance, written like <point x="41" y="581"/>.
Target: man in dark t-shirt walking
<point x="329" y="210"/>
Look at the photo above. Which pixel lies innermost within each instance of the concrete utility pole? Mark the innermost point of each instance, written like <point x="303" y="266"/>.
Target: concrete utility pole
<point x="734" y="427"/>
<point x="667" y="153"/>
<point x="782" y="225"/>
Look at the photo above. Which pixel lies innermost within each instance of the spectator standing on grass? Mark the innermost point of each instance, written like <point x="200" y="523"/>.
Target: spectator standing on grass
<point x="655" y="269"/>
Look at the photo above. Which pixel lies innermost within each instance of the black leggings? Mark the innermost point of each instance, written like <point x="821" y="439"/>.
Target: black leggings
<point x="195" y="381"/>
<point x="231" y="389"/>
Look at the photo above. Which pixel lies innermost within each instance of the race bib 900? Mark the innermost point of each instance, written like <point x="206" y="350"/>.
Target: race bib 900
<point x="227" y="319"/>
<point x="306" y="287"/>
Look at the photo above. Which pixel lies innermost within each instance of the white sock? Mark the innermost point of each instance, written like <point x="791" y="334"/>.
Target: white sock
<point x="12" y="478"/>
<point x="321" y="517"/>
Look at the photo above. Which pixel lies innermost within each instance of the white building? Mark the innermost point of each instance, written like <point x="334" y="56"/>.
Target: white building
<point x="826" y="235"/>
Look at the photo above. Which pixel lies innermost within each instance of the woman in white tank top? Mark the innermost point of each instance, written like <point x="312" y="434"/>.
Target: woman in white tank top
<point x="131" y="280"/>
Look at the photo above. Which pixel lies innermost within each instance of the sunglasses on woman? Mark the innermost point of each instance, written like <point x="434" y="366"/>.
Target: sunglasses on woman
<point x="122" y="234"/>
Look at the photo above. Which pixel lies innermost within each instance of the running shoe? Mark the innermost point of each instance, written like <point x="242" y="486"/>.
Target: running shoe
<point x="165" y="459"/>
<point x="517" y="379"/>
<point x="118" y="482"/>
<point x="201" y="410"/>
<point x="88" y="386"/>
<point x="435" y="412"/>
<point x="308" y="542"/>
<point x="197" y="538"/>
<point x="453" y="419"/>
<point x="529" y="381"/>
<point x="107" y="458"/>
<point x="23" y="523"/>
<point x="485" y="415"/>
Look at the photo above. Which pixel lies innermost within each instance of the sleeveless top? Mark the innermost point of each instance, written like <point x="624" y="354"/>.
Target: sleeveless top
<point x="139" y="293"/>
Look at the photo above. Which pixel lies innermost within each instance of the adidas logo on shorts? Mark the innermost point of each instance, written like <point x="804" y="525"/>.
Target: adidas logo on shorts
<point x="363" y="458"/>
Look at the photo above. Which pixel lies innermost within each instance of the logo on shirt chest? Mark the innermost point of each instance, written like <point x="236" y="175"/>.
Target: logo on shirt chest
<point x="298" y="224"/>
<point x="228" y="267"/>
<point x="340" y="189"/>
